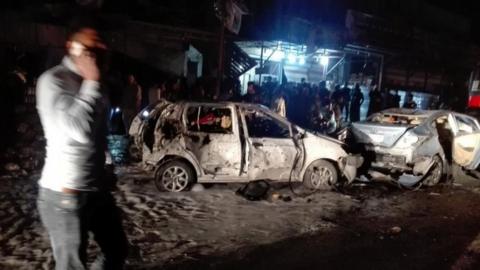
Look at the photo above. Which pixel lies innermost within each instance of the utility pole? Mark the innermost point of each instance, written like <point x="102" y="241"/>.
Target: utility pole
<point x="261" y="65"/>
<point x="221" y="53"/>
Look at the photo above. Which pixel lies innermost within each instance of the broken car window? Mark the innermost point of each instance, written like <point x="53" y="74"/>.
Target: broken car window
<point x="209" y="119"/>
<point x="465" y="124"/>
<point x="396" y="119"/>
<point x="261" y="125"/>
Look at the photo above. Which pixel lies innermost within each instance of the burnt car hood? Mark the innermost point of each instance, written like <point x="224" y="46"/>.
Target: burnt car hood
<point x="378" y="134"/>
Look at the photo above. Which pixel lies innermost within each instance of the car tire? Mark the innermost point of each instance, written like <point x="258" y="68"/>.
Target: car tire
<point x="320" y="175"/>
<point x="174" y="176"/>
<point x="435" y="174"/>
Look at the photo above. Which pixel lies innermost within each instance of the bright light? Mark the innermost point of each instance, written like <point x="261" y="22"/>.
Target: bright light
<point x="117" y="109"/>
<point x="292" y="58"/>
<point x="277" y="55"/>
<point x="324" y="60"/>
<point x="301" y="60"/>
<point x="145" y="113"/>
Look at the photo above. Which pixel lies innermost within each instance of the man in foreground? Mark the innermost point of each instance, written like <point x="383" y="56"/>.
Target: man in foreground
<point x="74" y="196"/>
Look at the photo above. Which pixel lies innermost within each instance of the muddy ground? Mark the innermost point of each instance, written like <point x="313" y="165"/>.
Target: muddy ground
<point x="362" y="227"/>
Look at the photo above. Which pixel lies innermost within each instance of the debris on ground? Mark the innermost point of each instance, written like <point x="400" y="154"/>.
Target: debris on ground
<point x="395" y="230"/>
<point x="254" y="191"/>
<point x="275" y="196"/>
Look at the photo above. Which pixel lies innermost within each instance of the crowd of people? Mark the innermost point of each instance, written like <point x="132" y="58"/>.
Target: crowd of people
<point x="313" y="106"/>
<point x="321" y="107"/>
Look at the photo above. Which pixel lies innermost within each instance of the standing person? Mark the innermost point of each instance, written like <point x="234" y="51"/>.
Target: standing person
<point x="346" y="99"/>
<point x="323" y="92"/>
<point x="356" y="103"/>
<point x="303" y="104"/>
<point x="131" y="101"/>
<point x="375" y="104"/>
<point x="409" y="102"/>
<point x="396" y="99"/>
<point x="389" y="99"/>
<point x="280" y="104"/>
<point x="155" y="93"/>
<point x="252" y="96"/>
<point x="198" y="90"/>
<point x="338" y="102"/>
<point x="178" y="89"/>
<point x="74" y="195"/>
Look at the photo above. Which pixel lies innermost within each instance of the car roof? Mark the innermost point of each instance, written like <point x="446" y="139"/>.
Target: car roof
<point x="224" y="103"/>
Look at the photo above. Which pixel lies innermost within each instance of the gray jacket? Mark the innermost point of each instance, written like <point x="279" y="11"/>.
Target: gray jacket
<point x="73" y="116"/>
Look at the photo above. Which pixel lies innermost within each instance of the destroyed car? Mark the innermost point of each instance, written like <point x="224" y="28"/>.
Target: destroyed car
<point x="417" y="146"/>
<point x="188" y="142"/>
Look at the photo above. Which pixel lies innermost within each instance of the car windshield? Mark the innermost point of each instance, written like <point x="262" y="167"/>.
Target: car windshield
<point x="397" y="119"/>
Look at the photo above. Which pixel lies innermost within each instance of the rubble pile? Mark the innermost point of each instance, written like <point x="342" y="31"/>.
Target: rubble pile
<point x="26" y="153"/>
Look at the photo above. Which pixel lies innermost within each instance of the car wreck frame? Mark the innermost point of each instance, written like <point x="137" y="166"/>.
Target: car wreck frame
<point x="417" y="146"/>
<point x="235" y="142"/>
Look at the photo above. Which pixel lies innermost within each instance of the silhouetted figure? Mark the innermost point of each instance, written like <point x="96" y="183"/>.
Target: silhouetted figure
<point x="376" y="101"/>
<point x="252" y="95"/>
<point x="156" y="92"/>
<point x="131" y="101"/>
<point x="356" y="103"/>
<point x="280" y="104"/>
<point x="323" y="92"/>
<point x="396" y="100"/>
<point x="346" y="99"/>
<point x="177" y="89"/>
<point x="338" y="102"/>
<point x="409" y="102"/>
<point x="302" y="105"/>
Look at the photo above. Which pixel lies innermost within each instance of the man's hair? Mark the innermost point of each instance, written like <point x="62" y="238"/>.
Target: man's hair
<point x="88" y="37"/>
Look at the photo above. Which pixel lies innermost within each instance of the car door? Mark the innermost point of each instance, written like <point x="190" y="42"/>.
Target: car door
<point x="271" y="150"/>
<point x="212" y="135"/>
<point x="466" y="144"/>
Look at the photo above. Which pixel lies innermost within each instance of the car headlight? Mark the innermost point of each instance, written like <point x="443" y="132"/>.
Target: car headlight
<point x="407" y="140"/>
<point x="145" y="114"/>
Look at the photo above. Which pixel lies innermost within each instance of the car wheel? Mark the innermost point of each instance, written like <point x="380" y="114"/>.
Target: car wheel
<point x="174" y="176"/>
<point x="435" y="173"/>
<point x="321" y="174"/>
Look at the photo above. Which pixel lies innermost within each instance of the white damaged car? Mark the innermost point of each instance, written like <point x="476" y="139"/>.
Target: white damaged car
<point x="417" y="146"/>
<point x="188" y="142"/>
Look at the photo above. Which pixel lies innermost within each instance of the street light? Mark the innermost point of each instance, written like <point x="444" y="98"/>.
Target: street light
<point x="291" y="58"/>
<point x="301" y="60"/>
<point x="278" y="55"/>
<point x="324" y="60"/>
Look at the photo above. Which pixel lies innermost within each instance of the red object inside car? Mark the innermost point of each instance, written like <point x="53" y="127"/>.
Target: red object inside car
<point x="474" y="102"/>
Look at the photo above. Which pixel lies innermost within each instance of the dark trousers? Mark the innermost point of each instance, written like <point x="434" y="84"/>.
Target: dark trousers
<point x="354" y="113"/>
<point x="69" y="217"/>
